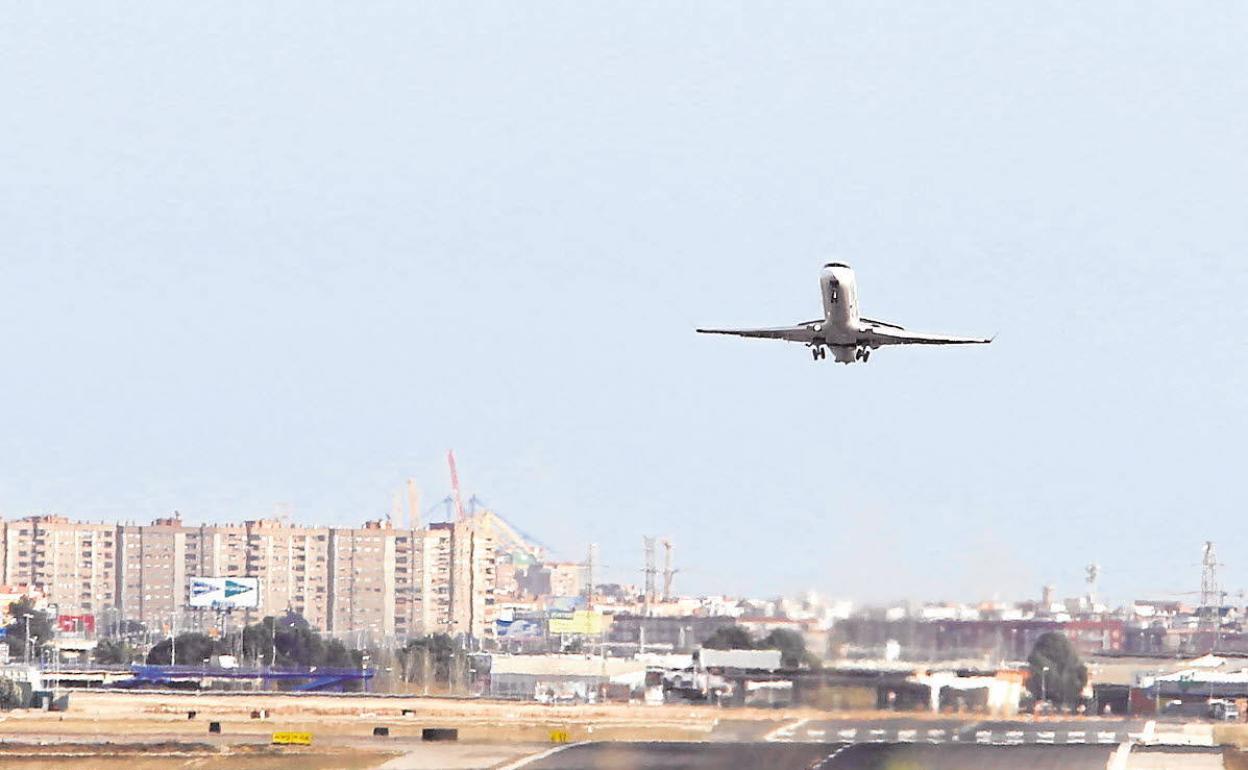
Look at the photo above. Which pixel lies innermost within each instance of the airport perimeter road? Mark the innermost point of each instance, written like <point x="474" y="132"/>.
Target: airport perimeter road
<point x="805" y="756"/>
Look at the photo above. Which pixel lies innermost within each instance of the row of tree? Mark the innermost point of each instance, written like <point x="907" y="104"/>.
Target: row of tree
<point x="792" y="646"/>
<point x="286" y="642"/>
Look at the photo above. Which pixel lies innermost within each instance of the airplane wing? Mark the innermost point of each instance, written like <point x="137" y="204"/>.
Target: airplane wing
<point x="880" y="333"/>
<point x="801" y="333"/>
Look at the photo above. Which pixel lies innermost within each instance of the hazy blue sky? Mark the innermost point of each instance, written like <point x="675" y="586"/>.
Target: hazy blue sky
<point x="290" y="252"/>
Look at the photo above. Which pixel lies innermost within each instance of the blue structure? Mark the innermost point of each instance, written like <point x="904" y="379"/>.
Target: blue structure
<point x="308" y="679"/>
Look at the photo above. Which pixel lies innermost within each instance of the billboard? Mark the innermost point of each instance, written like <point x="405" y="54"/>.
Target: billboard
<point x="69" y="624"/>
<point x="225" y="593"/>
<point x="576" y="622"/>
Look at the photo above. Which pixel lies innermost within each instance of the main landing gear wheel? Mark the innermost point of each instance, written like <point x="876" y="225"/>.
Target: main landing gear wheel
<point x="866" y="355"/>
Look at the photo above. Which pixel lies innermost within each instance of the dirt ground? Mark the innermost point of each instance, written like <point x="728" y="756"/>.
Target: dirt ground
<point x="188" y="756"/>
<point x="143" y="716"/>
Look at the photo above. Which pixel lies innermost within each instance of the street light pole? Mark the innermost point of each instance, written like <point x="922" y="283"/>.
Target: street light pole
<point x="1044" y="684"/>
<point x="26" y="639"/>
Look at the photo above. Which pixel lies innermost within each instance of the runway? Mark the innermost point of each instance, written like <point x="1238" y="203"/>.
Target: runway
<point x="826" y="756"/>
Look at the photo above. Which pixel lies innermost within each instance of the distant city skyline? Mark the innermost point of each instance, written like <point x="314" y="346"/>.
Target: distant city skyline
<point x="285" y="254"/>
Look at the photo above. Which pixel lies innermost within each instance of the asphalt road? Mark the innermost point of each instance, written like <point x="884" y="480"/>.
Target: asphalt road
<point x="814" y="756"/>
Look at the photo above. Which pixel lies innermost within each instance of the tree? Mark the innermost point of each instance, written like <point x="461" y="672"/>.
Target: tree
<point x="289" y="642"/>
<point x="113" y="652"/>
<point x="1056" y="673"/>
<point x="11" y="695"/>
<point x="40" y="628"/>
<point x="436" y="653"/>
<point x="732" y="637"/>
<point x="792" y="647"/>
<point x="193" y="650"/>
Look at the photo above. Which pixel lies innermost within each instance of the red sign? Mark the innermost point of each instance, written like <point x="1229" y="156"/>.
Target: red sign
<point x="76" y="623"/>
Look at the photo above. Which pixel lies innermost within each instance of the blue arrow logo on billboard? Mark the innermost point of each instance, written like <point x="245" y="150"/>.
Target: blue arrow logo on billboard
<point x="234" y="589"/>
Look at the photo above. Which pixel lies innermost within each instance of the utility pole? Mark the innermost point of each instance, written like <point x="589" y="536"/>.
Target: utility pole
<point x="1091" y="573"/>
<point x="413" y="505"/>
<point x="1210" y="615"/>
<point x="591" y="560"/>
<point x="668" y="570"/>
<point x="648" y="545"/>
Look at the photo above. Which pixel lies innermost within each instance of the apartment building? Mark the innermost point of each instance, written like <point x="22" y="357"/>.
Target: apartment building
<point x="375" y="581"/>
<point x="292" y="564"/>
<point x="361" y="580"/>
<point x="422" y="581"/>
<point x="473" y="578"/>
<point x="73" y="564"/>
<point x="151" y="579"/>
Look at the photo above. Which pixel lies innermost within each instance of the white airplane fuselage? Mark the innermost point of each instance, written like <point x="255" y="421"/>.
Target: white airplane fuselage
<point x="841" y="324"/>
<point x="840" y="305"/>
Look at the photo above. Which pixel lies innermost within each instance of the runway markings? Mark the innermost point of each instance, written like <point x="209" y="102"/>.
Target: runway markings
<point x="526" y="761"/>
<point x="821" y="764"/>
<point x="785" y="732"/>
<point x="1034" y="734"/>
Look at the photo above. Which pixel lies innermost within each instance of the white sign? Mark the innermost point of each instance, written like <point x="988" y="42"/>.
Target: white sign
<point x="225" y="593"/>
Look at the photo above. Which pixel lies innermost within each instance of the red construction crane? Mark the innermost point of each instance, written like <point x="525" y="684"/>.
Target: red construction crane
<point x="459" y="503"/>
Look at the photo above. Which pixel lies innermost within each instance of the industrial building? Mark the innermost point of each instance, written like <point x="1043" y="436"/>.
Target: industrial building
<point x="675" y="634"/>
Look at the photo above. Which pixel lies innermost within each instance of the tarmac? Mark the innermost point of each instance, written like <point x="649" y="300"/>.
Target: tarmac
<point x="867" y="756"/>
<point x="826" y="756"/>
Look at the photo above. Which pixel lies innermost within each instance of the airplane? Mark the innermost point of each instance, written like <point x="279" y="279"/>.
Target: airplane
<point x="850" y="336"/>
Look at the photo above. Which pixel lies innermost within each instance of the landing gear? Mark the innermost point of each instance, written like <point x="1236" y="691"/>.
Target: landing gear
<point x="818" y="352"/>
<point x="862" y="354"/>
